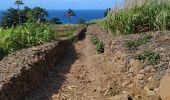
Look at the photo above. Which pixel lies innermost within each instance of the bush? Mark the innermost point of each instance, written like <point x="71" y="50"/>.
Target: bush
<point x="94" y="39"/>
<point x="149" y="56"/>
<point x="99" y="45"/>
<point x="151" y="16"/>
<point x="27" y="35"/>
<point x="134" y="44"/>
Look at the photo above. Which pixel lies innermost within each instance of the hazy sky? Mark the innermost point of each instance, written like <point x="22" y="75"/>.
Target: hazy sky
<point x="64" y="4"/>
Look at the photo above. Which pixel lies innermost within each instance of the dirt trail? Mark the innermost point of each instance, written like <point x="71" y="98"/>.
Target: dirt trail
<point x="79" y="76"/>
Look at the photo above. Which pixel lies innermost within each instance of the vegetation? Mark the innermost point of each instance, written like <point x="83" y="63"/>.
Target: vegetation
<point x="99" y="45"/>
<point x="151" y="16"/>
<point x="149" y="56"/>
<point x="134" y="44"/>
<point x="70" y="13"/>
<point x="81" y="21"/>
<point x="107" y="12"/>
<point x="37" y="14"/>
<point x="27" y="14"/>
<point x="55" y="21"/>
<point x="26" y="35"/>
<point x="18" y="3"/>
<point x="65" y="30"/>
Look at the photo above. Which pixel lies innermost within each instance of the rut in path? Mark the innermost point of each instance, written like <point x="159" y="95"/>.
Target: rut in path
<point x="79" y="76"/>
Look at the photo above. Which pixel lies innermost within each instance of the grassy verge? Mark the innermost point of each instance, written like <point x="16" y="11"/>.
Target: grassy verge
<point x="151" y="16"/>
<point x="27" y="35"/>
<point x="66" y="30"/>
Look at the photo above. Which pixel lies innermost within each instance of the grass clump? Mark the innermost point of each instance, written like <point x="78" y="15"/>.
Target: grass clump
<point x="94" y="39"/>
<point x="149" y="56"/>
<point x="134" y="44"/>
<point x="66" y="30"/>
<point x="99" y="45"/>
<point x="26" y="35"/>
<point x="151" y="16"/>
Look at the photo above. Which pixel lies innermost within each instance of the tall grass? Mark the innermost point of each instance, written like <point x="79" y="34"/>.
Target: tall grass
<point x="151" y="16"/>
<point x="27" y="35"/>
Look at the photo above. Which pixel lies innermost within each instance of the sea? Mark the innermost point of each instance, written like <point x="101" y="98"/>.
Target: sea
<point x="86" y="15"/>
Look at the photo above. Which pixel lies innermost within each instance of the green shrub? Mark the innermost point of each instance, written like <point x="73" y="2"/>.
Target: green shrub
<point x="99" y="45"/>
<point x="94" y="39"/>
<point x="26" y="35"/>
<point x="149" y="56"/>
<point x="134" y="44"/>
<point x="151" y="16"/>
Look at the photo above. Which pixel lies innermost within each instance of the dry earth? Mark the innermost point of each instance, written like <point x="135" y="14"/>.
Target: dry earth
<point x="114" y="75"/>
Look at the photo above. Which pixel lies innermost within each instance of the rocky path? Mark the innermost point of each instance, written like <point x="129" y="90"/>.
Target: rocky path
<point x="85" y="75"/>
<point x="79" y="76"/>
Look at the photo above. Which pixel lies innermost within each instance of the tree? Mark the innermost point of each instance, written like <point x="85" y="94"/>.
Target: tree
<point x="107" y="12"/>
<point x="18" y="3"/>
<point x="10" y="17"/>
<point x="55" y="21"/>
<point x="37" y="14"/>
<point x="70" y="13"/>
<point x="24" y="14"/>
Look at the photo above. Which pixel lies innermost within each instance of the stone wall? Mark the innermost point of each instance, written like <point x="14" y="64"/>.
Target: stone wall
<point x="24" y="70"/>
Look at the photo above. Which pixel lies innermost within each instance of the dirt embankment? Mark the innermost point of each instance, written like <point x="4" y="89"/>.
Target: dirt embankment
<point x="84" y="74"/>
<point x="117" y="74"/>
<point x="24" y="70"/>
<point x="138" y="79"/>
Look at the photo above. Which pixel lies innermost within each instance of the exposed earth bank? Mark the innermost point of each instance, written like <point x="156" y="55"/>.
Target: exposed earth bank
<point x="114" y="75"/>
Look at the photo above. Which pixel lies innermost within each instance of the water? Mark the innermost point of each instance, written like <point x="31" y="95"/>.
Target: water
<point x="87" y="15"/>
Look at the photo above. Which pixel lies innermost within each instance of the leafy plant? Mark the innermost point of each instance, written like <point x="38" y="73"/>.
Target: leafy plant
<point x="94" y="39"/>
<point x="150" y="16"/>
<point x="26" y="35"/>
<point x="148" y="56"/>
<point x="99" y="45"/>
<point x="134" y="44"/>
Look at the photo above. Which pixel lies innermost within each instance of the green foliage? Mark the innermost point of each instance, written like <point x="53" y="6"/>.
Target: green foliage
<point x="134" y="44"/>
<point x="10" y="18"/>
<point x="94" y="39"/>
<point x="99" y="45"/>
<point x="19" y="2"/>
<point x="107" y="12"/>
<point x="55" y="21"/>
<point x="81" y="21"/>
<point x="70" y="13"/>
<point x="27" y="35"/>
<point x="149" y="56"/>
<point x="151" y="16"/>
<point x="27" y="14"/>
<point x="65" y="30"/>
<point x="37" y="14"/>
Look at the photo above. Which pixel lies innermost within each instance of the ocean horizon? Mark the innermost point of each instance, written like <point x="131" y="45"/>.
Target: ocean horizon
<point x="86" y="15"/>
